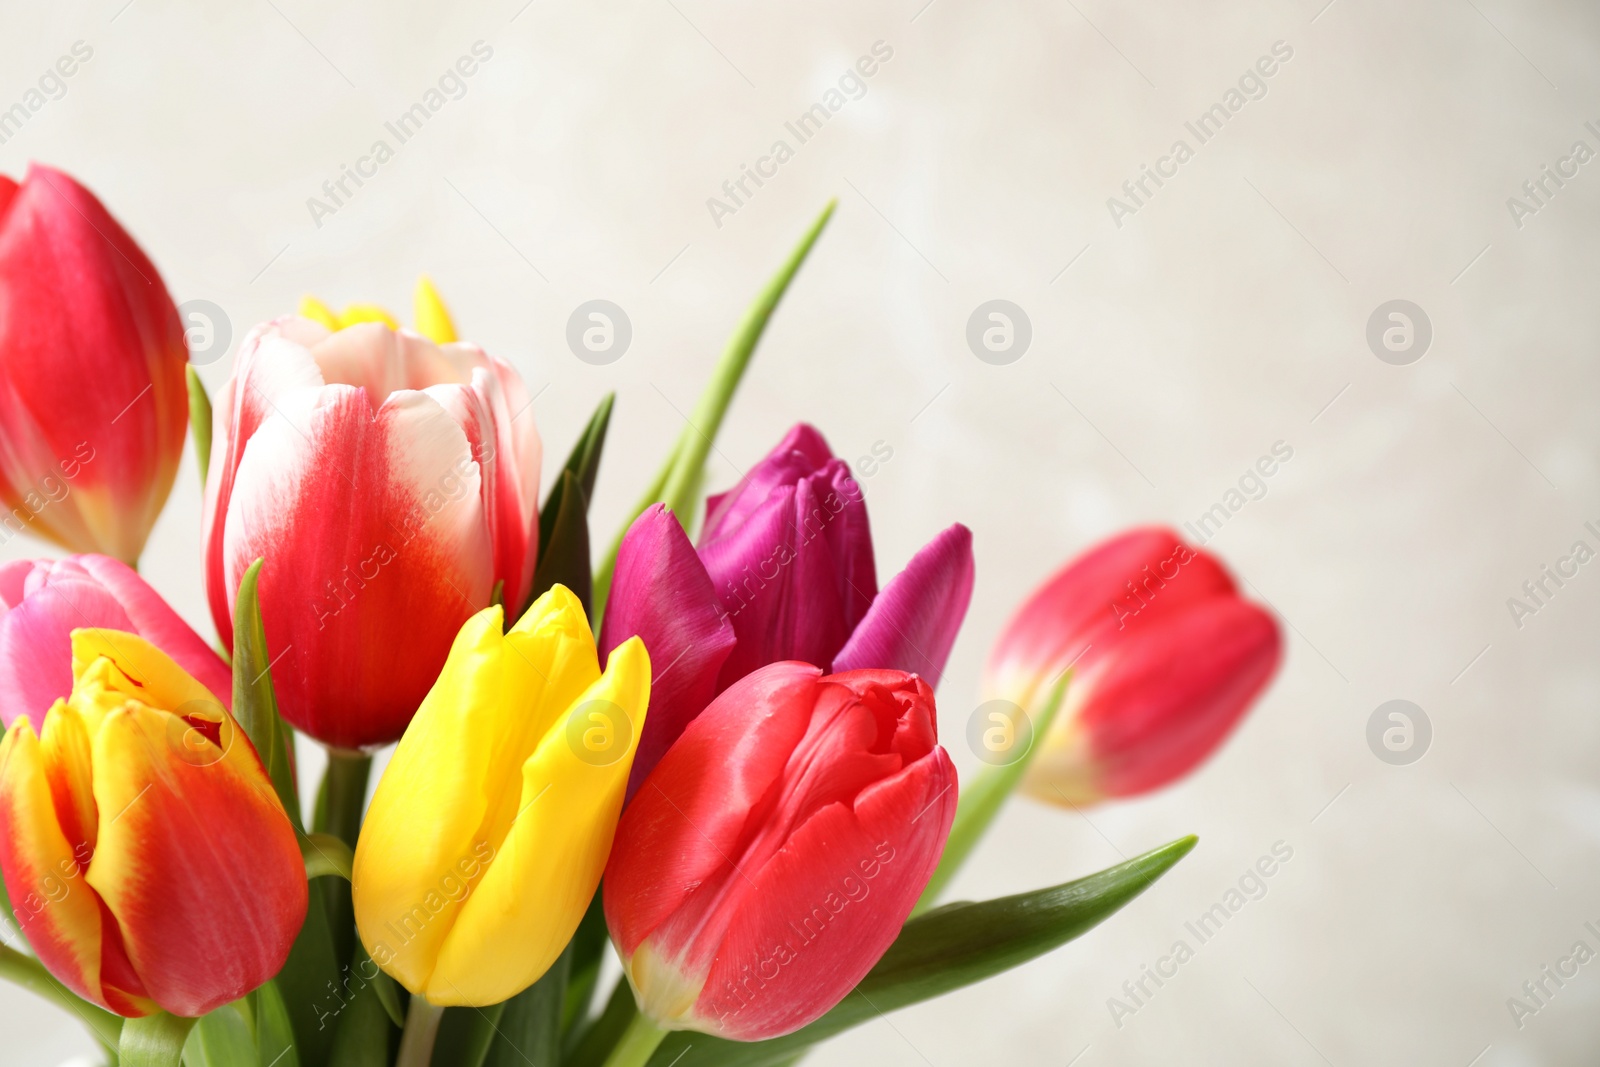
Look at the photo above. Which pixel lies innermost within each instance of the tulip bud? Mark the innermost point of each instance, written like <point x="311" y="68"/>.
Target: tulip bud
<point x="775" y="851"/>
<point x="146" y="855"/>
<point x="785" y="570"/>
<point x="43" y="601"/>
<point x="1166" y="657"/>
<point x="93" y="403"/>
<point x="488" y="832"/>
<point x="389" y="483"/>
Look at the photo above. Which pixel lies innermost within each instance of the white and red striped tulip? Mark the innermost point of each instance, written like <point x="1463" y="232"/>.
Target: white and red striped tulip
<point x="390" y="485"/>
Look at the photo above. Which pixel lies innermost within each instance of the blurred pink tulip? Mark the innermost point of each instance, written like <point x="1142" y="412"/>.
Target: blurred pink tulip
<point x="93" y="405"/>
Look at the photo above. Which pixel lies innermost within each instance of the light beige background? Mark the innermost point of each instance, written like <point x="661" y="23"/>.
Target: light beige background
<point x="1168" y="354"/>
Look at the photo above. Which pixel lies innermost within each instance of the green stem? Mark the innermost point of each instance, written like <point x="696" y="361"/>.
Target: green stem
<point x="30" y="974"/>
<point x="982" y="800"/>
<point x="338" y="813"/>
<point x="199" y="422"/>
<point x="422" y="1026"/>
<point x="638" y="1043"/>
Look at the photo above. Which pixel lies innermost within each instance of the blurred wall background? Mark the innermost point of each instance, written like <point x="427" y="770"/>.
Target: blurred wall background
<point x="1175" y="338"/>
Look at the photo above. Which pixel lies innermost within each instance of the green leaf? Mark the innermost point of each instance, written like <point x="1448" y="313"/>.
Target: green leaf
<point x="255" y="706"/>
<point x="595" y="1042"/>
<point x="199" y="422"/>
<point x="221" y="1039"/>
<point x="364" y="1028"/>
<point x="389" y="995"/>
<point x="678" y="483"/>
<point x="530" y="1029"/>
<point x="982" y="800"/>
<point x="465" y="1035"/>
<point x="583" y="463"/>
<point x="325" y="854"/>
<point x="154" y="1041"/>
<point x="566" y="557"/>
<point x="948" y="948"/>
<point x="275" y="1039"/>
<point x="586" y="949"/>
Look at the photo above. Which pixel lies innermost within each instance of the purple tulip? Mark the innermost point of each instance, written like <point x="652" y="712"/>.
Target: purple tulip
<point x="784" y="571"/>
<point x="42" y="601"/>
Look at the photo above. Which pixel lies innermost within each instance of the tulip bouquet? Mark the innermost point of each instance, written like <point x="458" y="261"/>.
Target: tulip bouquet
<point x="717" y="751"/>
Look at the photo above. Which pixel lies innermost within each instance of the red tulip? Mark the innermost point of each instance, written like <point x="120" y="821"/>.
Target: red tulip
<point x="43" y="601"/>
<point x="390" y="485"/>
<point x="775" y="851"/>
<point x="1166" y="658"/>
<point x="93" y="405"/>
<point x="145" y="853"/>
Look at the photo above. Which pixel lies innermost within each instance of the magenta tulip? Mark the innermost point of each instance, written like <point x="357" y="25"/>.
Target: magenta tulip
<point x="785" y="571"/>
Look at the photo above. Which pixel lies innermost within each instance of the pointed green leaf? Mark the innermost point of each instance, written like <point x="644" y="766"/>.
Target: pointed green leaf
<point x="363" y="1029"/>
<point x="678" y="483"/>
<point x="948" y="948"/>
<point x="566" y="558"/>
<point x="275" y="1042"/>
<point x="154" y="1041"/>
<point x="530" y="1029"/>
<point x="254" y="704"/>
<point x="21" y="969"/>
<point x="982" y="800"/>
<point x="200" y="422"/>
<point x="583" y="462"/>
<point x="586" y="950"/>
<point x="594" y="1043"/>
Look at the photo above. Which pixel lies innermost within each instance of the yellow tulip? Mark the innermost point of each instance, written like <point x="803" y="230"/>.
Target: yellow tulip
<point x="490" y="828"/>
<point x="432" y="317"/>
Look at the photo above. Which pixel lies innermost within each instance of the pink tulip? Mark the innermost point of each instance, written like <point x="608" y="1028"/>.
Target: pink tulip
<point x="93" y="405"/>
<point x="776" y="850"/>
<point x="785" y="571"/>
<point x="43" y="601"/>
<point x="1166" y="657"/>
<point x="390" y="484"/>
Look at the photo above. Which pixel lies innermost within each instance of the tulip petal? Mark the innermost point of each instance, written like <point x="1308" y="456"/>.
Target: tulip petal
<point x="445" y="803"/>
<point x="206" y="906"/>
<point x="662" y="594"/>
<point x="803" y="933"/>
<point x="914" y="621"/>
<point x="432" y="317"/>
<point x="93" y="401"/>
<point x="1156" y="707"/>
<point x="802" y="451"/>
<point x="57" y="912"/>
<point x="684" y="824"/>
<point x="1119" y="587"/>
<point x="36" y="644"/>
<point x="556" y="847"/>
<point x="376" y="550"/>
